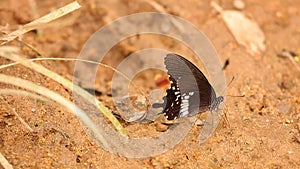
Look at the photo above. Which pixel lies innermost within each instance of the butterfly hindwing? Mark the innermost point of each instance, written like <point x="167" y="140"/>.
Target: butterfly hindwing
<point x="173" y="100"/>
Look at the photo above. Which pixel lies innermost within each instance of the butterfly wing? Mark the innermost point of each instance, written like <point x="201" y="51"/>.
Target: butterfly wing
<point x="196" y="94"/>
<point x="172" y="100"/>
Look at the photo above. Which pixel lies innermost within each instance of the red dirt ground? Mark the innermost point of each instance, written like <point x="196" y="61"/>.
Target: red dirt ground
<point x="264" y="126"/>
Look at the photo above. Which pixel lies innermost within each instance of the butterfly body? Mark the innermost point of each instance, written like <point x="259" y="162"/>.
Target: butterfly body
<point x="190" y="92"/>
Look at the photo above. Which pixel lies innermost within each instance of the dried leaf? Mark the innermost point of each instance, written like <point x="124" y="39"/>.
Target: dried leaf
<point x="244" y="30"/>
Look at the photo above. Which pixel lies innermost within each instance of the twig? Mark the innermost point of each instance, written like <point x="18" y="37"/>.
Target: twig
<point x="65" y="135"/>
<point x="29" y="46"/>
<point x="5" y="164"/>
<point x="288" y="54"/>
<point x="156" y="6"/>
<point x="16" y="114"/>
<point x="216" y="7"/>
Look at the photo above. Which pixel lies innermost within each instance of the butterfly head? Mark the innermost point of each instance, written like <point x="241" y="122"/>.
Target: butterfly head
<point x="217" y="102"/>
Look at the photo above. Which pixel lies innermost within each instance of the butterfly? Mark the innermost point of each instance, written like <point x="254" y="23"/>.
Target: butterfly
<point x="190" y="92"/>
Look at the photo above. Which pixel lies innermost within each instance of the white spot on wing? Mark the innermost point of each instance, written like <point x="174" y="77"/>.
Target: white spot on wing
<point x="186" y="97"/>
<point x="184" y="112"/>
<point x="185" y="101"/>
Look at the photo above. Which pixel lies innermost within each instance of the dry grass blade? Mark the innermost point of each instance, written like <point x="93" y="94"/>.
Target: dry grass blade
<point x="58" y="99"/>
<point x="23" y="93"/>
<point x="66" y="83"/>
<point x="16" y="114"/>
<point x="80" y="60"/>
<point x="8" y="49"/>
<point x="5" y="164"/>
<point x="35" y="14"/>
<point x="39" y="22"/>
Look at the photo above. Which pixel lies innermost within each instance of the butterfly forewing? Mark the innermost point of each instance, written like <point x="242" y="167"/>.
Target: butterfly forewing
<point x="189" y="92"/>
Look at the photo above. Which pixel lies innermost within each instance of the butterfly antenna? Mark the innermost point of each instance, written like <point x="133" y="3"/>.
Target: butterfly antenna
<point x="243" y="95"/>
<point x="230" y="82"/>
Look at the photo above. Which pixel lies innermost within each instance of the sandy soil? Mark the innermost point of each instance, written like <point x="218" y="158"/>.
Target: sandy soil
<point x="264" y="126"/>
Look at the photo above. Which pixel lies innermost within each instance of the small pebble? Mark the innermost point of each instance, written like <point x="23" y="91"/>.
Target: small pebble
<point x="287" y="121"/>
<point x="199" y="122"/>
<point x="284" y="107"/>
<point x="161" y="127"/>
<point x="239" y="4"/>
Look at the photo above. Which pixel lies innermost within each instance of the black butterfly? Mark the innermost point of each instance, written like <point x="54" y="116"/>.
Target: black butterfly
<point x="190" y="92"/>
